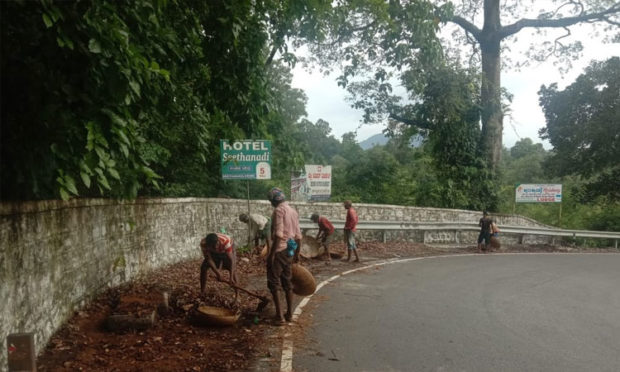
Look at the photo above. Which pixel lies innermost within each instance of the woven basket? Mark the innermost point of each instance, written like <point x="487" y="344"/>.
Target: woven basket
<point x="495" y="243"/>
<point x="303" y="281"/>
<point x="214" y="316"/>
<point x="310" y="247"/>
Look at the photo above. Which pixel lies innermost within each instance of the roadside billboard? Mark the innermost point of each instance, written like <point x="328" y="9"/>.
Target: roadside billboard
<point x="313" y="184"/>
<point x="538" y="193"/>
<point x="246" y="159"/>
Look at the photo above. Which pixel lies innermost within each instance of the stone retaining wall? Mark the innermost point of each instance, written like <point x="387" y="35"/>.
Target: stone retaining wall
<point x="55" y="256"/>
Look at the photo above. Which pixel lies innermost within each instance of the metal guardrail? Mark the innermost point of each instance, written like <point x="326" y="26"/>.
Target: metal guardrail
<point x="306" y="224"/>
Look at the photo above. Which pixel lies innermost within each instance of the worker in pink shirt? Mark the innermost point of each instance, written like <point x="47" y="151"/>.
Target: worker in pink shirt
<point x="286" y="243"/>
<point x="349" y="230"/>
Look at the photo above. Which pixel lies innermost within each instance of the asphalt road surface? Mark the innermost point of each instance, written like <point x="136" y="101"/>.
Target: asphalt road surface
<point x="523" y="312"/>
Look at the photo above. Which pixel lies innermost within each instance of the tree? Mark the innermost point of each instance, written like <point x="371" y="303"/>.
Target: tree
<point x="119" y="100"/>
<point x="319" y="145"/>
<point x="525" y="147"/>
<point x="583" y="125"/>
<point x="490" y="37"/>
<point x="524" y="164"/>
<point x="400" y="37"/>
<point x="374" y="175"/>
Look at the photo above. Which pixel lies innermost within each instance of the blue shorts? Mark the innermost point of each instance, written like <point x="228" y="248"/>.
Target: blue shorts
<point x="349" y="238"/>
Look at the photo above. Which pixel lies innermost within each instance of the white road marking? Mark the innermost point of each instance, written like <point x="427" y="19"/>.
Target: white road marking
<point x="286" y="363"/>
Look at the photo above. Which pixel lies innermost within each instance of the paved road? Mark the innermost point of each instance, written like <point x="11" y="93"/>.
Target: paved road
<point x="558" y="312"/>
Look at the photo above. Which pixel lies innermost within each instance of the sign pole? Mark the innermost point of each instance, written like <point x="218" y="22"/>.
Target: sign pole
<point x="560" y="216"/>
<point x="248" y="187"/>
<point x="514" y="201"/>
<point x="249" y="222"/>
<point x="247" y="159"/>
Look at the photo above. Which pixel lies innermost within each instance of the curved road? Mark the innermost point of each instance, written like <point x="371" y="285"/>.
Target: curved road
<point x="523" y="312"/>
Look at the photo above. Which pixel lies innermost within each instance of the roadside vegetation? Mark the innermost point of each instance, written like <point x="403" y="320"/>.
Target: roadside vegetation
<point x="103" y="99"/>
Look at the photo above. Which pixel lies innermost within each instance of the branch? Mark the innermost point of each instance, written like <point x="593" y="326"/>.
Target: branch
<point x="557" y="42"/>
<point x="409" y="122"/>
<point x="467" y="26"/>
<point x="272" y="54"/>
<point x="572" y="2"/>
<point x="611" y="22"/>
<point x="278" y="39"/>
<point x="341" y="37"/>
<point x="556" y="23"/>
<point x="474" y="46"/>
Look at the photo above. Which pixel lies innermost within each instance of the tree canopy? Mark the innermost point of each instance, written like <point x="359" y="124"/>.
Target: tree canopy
<point x="583" y="125"/>
<point x="400" y="39"/>
<point x="114" y="99"/>
<point x="124" y="100"/>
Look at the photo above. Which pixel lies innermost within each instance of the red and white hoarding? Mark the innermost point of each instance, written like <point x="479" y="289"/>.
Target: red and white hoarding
<point x="538" y="193"/>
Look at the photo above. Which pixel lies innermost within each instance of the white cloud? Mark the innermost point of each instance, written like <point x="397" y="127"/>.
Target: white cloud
<point x="326" y="100"/>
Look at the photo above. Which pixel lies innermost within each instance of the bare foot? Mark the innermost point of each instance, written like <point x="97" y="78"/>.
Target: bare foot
<point x="277" y="321"/>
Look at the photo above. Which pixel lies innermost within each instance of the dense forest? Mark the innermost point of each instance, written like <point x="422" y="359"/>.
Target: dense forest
<point x="126" y="100"/>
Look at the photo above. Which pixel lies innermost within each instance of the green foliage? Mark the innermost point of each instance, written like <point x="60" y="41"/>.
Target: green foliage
<point x="524" y="163"/>
<point x="128" y="99"/>
<point x="374" y="174"/>
<point x="581" y="121"/>
<point x="448" y="171"/>
<point x="318" y="145"/>
<point x="450" y="108"/>
<point x="244" y="249"/>
<point x="114" y="99"/>
<point x="375" y="43"/>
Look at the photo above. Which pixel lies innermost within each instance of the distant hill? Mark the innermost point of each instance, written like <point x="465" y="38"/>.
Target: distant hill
<point x="380" y="140"/>
<point x="376" y="140"/>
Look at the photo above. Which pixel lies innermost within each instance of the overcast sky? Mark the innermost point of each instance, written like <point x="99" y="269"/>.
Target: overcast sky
<point x="326" y="100"/>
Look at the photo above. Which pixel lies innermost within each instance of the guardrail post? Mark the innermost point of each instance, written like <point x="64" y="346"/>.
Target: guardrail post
<point x="383" y="236"/>
<point x="616" y="243"/>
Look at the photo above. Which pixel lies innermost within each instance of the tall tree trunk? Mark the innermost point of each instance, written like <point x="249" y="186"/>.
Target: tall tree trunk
<point x="489" y="39"/>
<point x="492" y="116"/>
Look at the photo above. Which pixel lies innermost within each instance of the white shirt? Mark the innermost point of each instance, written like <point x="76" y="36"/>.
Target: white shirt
<point x="256" y="222"/>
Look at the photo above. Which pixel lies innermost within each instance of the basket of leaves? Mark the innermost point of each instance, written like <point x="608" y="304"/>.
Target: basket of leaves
<point x="303" y="281"/>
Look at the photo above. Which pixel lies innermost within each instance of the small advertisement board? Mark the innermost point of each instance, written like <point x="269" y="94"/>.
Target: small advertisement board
<point x="246" y="159"/>
<point x="313" y="184"/>
<point x="538" y="193"/>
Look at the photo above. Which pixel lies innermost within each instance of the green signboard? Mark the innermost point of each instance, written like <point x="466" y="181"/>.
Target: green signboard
<point x="246" y="159"/>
